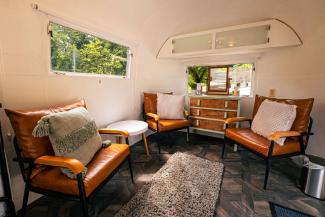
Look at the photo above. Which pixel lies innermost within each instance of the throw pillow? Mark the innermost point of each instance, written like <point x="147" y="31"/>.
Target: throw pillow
<point x="274" y="116"/>
<point x="72" y="133"/>
<point x="170" y="106"/>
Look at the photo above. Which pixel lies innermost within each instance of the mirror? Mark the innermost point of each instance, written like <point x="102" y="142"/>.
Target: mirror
<point x="218" y="80"/>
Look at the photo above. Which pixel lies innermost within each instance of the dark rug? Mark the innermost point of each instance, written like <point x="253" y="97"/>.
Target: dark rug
<point x="281" y="211"/>
<point x="185" y="186"/>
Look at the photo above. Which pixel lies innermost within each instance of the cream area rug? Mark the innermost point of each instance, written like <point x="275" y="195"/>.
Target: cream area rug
<point x="185" y="186"/>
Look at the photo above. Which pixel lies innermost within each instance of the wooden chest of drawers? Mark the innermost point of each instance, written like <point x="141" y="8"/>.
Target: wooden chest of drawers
<point x="209" y="112"/>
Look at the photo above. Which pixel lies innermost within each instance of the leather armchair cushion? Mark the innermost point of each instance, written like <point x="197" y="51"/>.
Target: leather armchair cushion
<point x="304" y="107"/>
<point x="168" y="124"/>
<point x="23" y="123"/>
<point x="102" y="165"/>
<point x="260" y="144"/>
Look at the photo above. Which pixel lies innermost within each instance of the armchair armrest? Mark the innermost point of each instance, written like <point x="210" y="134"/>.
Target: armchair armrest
<point x="186" y="114"/>
<point x="280" y="134"/>
<point x="112" y="131"/>
<point x="71" y="163"/>
<point x="154" y="116"/>
<point x="236" y="119"/>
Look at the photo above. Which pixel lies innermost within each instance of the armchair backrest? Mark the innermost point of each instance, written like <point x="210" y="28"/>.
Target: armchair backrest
<point x="304" y="107"/>
<point x="23" y="123"/>
<point x="150" y="102"/>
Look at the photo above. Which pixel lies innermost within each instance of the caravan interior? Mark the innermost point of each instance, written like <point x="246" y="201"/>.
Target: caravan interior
<point x="162" y="108"/>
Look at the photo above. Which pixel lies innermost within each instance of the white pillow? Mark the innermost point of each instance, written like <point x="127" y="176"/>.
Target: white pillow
<point x="273" y="116"/>
<point x="170" y="106"/>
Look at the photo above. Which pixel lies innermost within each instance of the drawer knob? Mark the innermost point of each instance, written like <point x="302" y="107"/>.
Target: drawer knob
<point x="198" y="102"/>
<point x="197" y="123"/>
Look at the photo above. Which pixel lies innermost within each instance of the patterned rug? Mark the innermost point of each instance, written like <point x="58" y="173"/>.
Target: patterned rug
<point x="185" y="186"/>
<point x="281" y="211"/>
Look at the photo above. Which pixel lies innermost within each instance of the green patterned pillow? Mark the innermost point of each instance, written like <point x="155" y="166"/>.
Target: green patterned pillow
<point x="72" y="133"/>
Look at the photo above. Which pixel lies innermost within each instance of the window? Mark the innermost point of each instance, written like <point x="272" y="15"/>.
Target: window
<point x="73" y="51"/>
<point x="239" y="77"/>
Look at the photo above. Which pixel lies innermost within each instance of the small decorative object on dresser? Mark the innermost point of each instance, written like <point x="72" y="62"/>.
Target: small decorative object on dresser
<point x="208" y="112"/>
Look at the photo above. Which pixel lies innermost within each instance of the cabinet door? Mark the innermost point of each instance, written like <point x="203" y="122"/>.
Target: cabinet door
<point x="242" y="37"/>
<point x="193" y="43"/>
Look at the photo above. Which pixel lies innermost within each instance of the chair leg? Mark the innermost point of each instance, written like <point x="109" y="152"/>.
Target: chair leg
<point x="170" y="140"/>
<point x="12" y="209"/>
<point x="267" y="171"/>
<point x="268" y="164"/>
<point x="25" y="200"/>
<point x="188" y="135"/>
<point x="223" y="147"/>
<point x="159" y="148"/>
<point x="82" y="195"/>
<point x="130" y="168"/>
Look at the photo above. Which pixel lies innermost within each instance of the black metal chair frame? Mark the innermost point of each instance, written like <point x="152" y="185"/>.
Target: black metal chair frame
<point x="158" y="132"/>
<point x="269" y="157"/>
<point x="27" y="171"/>
<point x="7" y="198"/>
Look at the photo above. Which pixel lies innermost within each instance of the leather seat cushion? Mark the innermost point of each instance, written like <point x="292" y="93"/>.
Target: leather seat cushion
<point x="24" y="121"/>
<point x="168" y="124"/>
<point x="260" y="144"/>
<point x="105" y="161"/>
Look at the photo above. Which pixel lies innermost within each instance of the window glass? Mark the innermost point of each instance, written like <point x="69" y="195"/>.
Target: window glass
<point x="240" y="78"/>
<point x="79" y="52"/>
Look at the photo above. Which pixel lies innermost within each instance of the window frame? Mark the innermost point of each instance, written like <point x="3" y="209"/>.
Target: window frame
<point x="95" y="34"/>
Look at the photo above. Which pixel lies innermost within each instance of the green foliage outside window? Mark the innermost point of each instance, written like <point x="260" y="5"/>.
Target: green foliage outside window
<point x="197" y="74"/>
<point x="74" y="51"/>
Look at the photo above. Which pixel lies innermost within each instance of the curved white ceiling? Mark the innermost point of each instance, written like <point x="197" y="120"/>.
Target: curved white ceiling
<point x="151" y="22"/>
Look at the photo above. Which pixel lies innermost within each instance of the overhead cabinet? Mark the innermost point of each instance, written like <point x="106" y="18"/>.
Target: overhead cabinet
<point x="239" y="39"/>
<point x="193" y="43"/>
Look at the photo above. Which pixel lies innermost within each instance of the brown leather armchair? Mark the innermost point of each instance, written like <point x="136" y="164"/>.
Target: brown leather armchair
<point x="267" y="148"/>
<point x="159" y="125"/>
<point x="41" y="169"/>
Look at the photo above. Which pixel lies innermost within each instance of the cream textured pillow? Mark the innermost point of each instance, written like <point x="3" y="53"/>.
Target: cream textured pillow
<point x="170" y="106"/>
<point x="72" y="133"/>
<point x="273" y="116"/>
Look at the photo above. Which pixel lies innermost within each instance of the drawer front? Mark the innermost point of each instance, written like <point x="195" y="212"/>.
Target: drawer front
<point x="208" y="124"/>
<point x="213" y="113"/>
<point x="214" y="103"/>
<point x="195" y="102"/>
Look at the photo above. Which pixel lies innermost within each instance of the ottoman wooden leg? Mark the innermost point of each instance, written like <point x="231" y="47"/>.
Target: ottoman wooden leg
<point x="145" y="143"/>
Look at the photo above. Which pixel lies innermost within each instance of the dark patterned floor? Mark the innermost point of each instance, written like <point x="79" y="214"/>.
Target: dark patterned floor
<point x="241" y="195"/>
